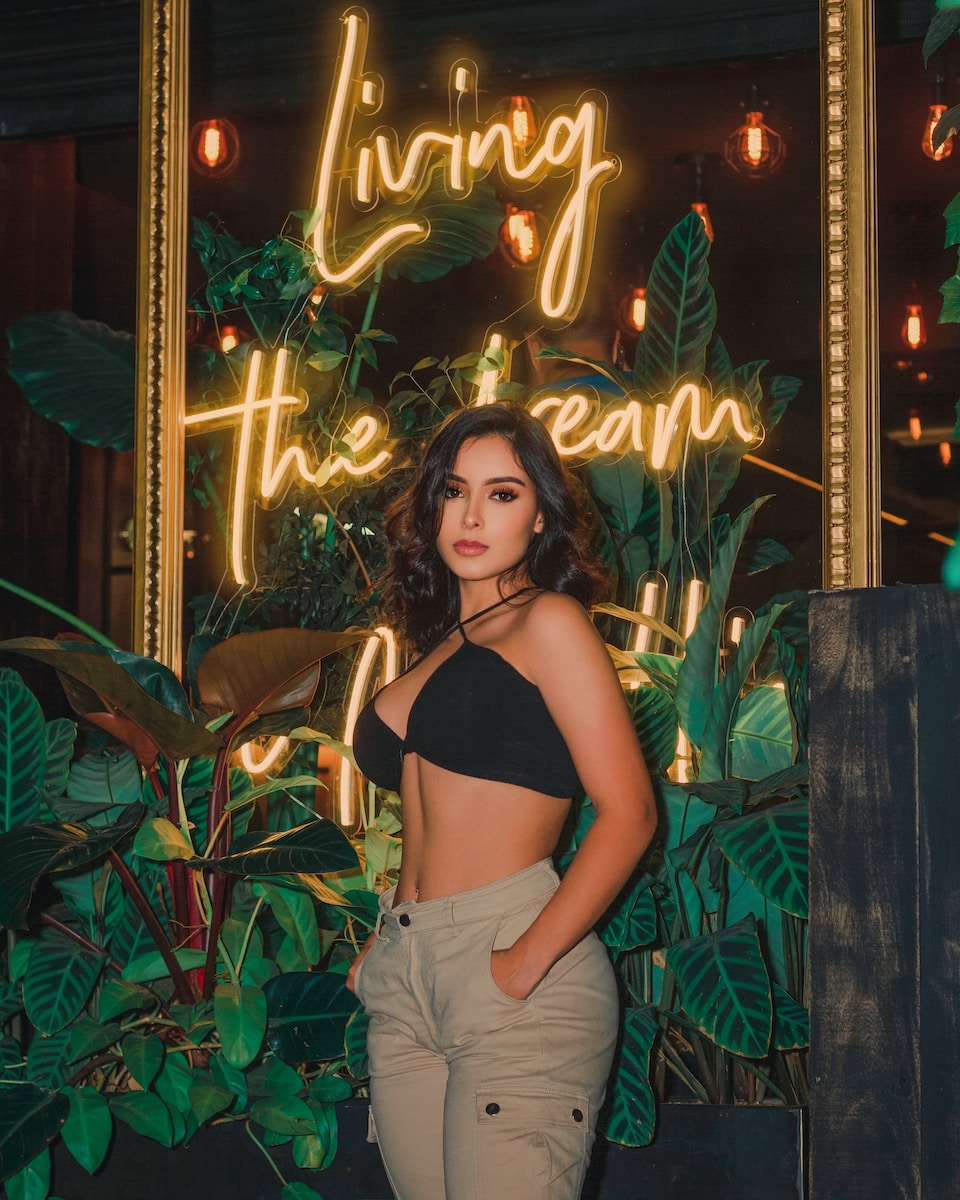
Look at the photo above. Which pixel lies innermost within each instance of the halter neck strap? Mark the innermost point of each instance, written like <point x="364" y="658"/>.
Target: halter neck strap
<point x="489" y="609"/>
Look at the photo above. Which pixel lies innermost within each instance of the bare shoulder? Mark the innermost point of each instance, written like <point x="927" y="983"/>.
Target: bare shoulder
<point x="554" y="620"/>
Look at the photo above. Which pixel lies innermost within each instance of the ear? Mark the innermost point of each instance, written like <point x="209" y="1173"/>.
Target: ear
<point x="538" y="523"/>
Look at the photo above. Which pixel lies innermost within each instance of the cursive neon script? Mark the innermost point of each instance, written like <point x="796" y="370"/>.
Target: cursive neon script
<point x="263" y="425"/>
<point x="570" y="142"/>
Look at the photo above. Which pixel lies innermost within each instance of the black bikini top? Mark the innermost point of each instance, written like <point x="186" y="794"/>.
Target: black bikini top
<point x="476" y="715"/>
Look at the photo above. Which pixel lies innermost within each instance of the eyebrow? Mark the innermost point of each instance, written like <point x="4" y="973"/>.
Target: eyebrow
<point x="487" y="482"/>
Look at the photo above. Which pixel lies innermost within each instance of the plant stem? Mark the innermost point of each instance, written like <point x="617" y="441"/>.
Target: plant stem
<point x="74" y="936"/>
<point x="185" y="991"/>
<point x="350" y="543"/>
<point x="94" y="634"/>
<point x="353" y="376"/>
<point x="265" y="1152"/>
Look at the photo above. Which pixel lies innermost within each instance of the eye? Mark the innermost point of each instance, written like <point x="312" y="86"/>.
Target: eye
<point x="451" y="492"/>
<point x="504" y="495"/>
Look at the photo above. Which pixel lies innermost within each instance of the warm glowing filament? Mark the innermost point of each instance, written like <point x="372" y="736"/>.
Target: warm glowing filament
<point x="638" y="309"/>
<point x="649" y="605"/>
<point x="946" y="453"/>
<point x="229" y="339"/>
<point x="260" y="764"/>
<point x="914" y="331"/>
<point x="703" y="212"/>
<point x="212" y="145"/>
<point x="927" y="145"/>
<point x="754" y="147"/>
<point x="487" y="387"/>
<point x="523" y="235"/>
<point x="382" y="644"/>
<point x="915" y="426"/>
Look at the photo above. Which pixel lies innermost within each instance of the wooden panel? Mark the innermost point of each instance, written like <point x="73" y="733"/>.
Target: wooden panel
<point x="885" y="894"/>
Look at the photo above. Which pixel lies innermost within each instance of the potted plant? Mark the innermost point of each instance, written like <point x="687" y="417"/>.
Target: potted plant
<point x="175" y="939"/>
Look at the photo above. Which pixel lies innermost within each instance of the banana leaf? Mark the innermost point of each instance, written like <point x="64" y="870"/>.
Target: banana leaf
<point x="770" y="847"/>
<point x="312" y="848"/>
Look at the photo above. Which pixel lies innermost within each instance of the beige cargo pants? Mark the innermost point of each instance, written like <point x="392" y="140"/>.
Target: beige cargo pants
<point x="476" y="1095"/>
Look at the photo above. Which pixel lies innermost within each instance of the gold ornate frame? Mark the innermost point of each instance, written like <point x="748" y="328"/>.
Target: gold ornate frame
<point x="851" y="514"/>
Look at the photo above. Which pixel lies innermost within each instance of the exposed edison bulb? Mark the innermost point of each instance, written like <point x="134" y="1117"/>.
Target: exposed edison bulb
<point x="914" y="330"/>
<point x="632" y="310"/>
<point x="214" y="146"/>
<point x="927" y="144"/>
<point x="946" y="453"/>
<point x="519" y="239"/>
<point x="915" y="425"/>
<point x="229" y="338"/>
<point x="754" y="149"/>
<point x="703" y="212"/>
<point x="522" y="121"/>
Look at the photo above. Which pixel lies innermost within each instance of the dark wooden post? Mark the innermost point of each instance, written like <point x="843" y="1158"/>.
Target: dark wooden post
<point x="885" y="894"/>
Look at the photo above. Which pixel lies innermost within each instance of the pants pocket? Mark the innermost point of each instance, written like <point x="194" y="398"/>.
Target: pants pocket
<point x="532" y="1140"/>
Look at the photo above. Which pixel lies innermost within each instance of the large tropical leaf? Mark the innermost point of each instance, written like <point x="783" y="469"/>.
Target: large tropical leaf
<point x="88" y="1128"/>
<point x="48" y="1059"/>
<point x="60" y="737"/>
<point x="240" y="1014"/>
<point x="22" y="753"/>
<point x="791" y="1021"/>
<point x="633" y="922"/>
<point x="297" y="916"/>
<point x="308" y="1014"/>
<point x="681" y="310"/>
<point x="30" y="1117"/>
<point x="724" y="987"/>
<point x="698" y="673"/>
<point x="655" y="720"/>
<point x="80" y="374"/>
<point x="715" y="745"/>
<point x="761" y="736"/>
<point x="60" y="981"/>
<point x="146" y="1114"/>
<point x="252" y="674"/>
<point x="769" y="845"/>
<point x="32" y="851"/>
<point x="103" y="691"/>
<point x="630" y="1115"/>
<point x="312" y="848"/>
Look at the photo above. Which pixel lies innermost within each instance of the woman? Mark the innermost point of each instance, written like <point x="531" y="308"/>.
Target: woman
<point x="493" y="1007"/>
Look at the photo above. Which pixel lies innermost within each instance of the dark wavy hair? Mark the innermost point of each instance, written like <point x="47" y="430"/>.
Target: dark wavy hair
<point x="421" y="595"/>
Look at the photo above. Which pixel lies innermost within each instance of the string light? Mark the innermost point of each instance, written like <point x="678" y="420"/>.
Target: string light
<point x="522" y="119"/>
<point x="214" y="147"/>
<point x="914" y="330"/>
<point x="934" y="113"/>
<point x="754" y="149"/>
<point x="519" y="239"/>
<point x="632" y="310"/>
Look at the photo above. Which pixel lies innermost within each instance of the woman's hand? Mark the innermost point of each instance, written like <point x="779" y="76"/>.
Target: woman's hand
<point x="351" y="974"/>
<point x="511" y="973"/>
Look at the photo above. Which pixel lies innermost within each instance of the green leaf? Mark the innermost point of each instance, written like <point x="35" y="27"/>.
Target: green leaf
<point x="272" y="1077"/>
<point x="952" y="216"/>
<point x="60" y="980"/>
<point x="173" y="1086"/>
<point x="295" y="912"/>
<point x="299" y="1191"/>
<point x="88" y="1128"/>
<point x="48" y="1059"/>
<point x="117" y="997"/>
<point x="681" y="310"/>
<point x="161" y="840"/>
<point x="22" y="753"/>
<point x="145" y="1113"/>
<point x="313" y="848"/>
<point x="209" y="1101"/>
<point x="355" y="1044"/>
<point x="29" y="1118"/>
<point x="308" y="1013"/>
<point x="724" y="987"/>
<point x="950" y="291"/>
<point x="791" y="1021"/>
<point x="655" y="720"/>
<point x="630" y="1118"/>
<point x="240" y="1014"/>
<point x="942" y="25"/>
<point x="230" y="1078"/>
<point x="33" y="1181"/>
<point x="151" y="966"/>
<point x="330" y="1089"/>
<point x="633" y="922"/>
<point x="143" y="1055"/>
<point x="761" y="737"/>
<point x="770" y="847"/>
<point x="284" y="1114"/>
<point x="80" y="374"/>
<point x="60" y="737"/>
<point x="88" y="1037"/>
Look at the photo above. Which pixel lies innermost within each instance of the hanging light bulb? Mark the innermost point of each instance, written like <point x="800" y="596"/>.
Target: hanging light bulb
<point x="914" y="331"/>
<point x="915" y="425"/>
<point x="214" y="147"/>
<point x="229" y="338"/>
<point x="700" y="163"/>
<point x="522" y="119"/>
<point x="946" y="453"/>
<point x="632" y="310"/>
<point x="754" y="149"/>
<point x="519" y="238"/>
<point x="934" y="113"/>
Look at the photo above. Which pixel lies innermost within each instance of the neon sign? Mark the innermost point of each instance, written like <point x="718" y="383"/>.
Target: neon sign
<point x="264" y="428"/>
<point x="571" y="142"/>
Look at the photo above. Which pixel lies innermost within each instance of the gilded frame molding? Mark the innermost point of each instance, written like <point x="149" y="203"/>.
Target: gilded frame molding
<point x="851" y="492"/>
<point x="161" y="305"/>
<point x="850" y="331"/>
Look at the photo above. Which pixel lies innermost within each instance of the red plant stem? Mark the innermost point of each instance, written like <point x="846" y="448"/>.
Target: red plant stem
<point x="219" y="892"/>
<point x="219" y="884"/>
<point x="185" y="991"/>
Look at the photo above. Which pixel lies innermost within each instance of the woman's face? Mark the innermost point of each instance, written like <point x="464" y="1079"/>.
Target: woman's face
<point x="490" y="512"/>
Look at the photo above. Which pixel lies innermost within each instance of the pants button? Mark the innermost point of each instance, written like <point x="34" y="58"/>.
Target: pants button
<point x="492" y="1109"/>
<point x="404" y="919"/>
<point x="577" y="1115"/>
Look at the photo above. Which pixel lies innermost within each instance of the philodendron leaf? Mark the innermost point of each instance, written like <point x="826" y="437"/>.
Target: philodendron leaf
<point x="724" y="987"/>
<point x="143" y="1055"/>
<point x="88" y="1128"/>
<point x="145" y="1113"/>
<point x="240" y="1014"/>
<point x="312" y="848"/>
<point x="22" y="753"/>
<point x="80" y="374"/>
<point x="30" y="1117"/>
<point x="32" y="1182"/>
<point x="152" y="966"/>
<point x="284" y="1114"/>
<point x="631" y="1117"/>
<point x="161" y="840"/>
<point x="208" y="1100"/>
<point x="251" y="674"/>
<point x="103" y="692"/>
<point x="769" y="845"/>
<point x="308" y="1013"/>
<point x="32" y="851"/>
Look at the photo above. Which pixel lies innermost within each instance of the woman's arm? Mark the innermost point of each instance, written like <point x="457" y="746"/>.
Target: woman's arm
<point x="570" y="665"/>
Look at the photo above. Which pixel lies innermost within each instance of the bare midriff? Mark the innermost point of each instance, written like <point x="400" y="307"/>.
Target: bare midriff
<point x="461" y="833"/>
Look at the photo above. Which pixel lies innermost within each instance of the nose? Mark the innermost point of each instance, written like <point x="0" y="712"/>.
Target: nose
<point x="470" y="518"/>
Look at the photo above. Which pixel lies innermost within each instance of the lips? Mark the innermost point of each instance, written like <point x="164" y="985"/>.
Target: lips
<point x="469" y="548"/>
